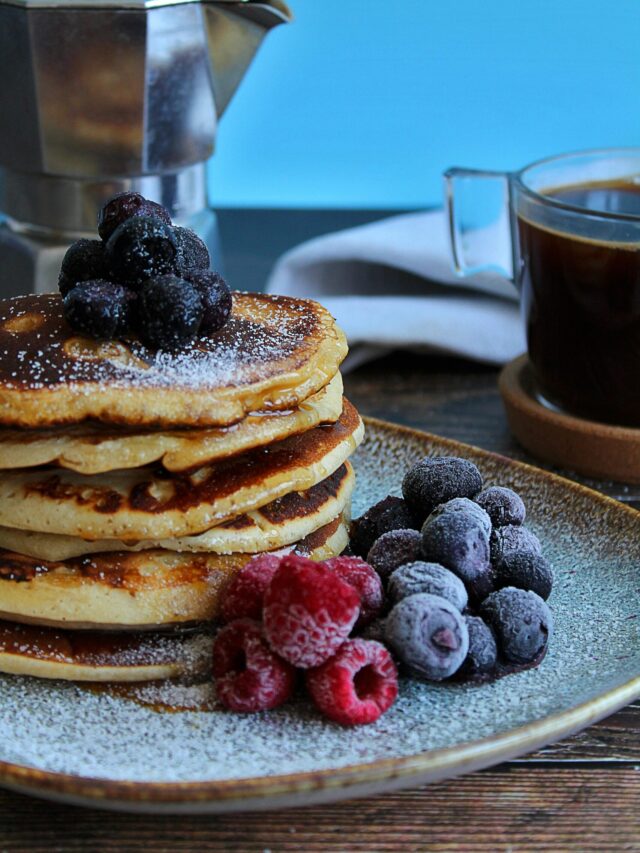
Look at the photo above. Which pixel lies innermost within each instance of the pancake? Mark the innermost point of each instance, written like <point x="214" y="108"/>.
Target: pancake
<point x="95" y="448"/>
<point x="274" y="352"/>
<point x="146" y="503"/>
<point x="279" y="523"/>
<point x="85" y="656"/>
<point x="141" y="591"/>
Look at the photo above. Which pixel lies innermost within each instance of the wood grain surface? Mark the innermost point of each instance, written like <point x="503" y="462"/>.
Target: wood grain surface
<point x="580" y="794"/>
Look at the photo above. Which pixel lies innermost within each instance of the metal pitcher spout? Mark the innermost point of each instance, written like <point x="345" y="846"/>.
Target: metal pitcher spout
<point x="235" y="29"/>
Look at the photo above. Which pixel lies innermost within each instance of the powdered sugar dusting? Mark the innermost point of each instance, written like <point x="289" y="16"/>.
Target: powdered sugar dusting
<point x="595" y="549"/>
<point x="246" y="350"/>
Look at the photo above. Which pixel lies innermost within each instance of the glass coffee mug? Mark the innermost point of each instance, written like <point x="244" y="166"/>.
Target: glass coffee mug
<point x="574" y="227"/>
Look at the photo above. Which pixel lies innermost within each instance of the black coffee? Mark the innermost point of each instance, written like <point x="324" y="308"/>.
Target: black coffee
<point x="582" y="305"/>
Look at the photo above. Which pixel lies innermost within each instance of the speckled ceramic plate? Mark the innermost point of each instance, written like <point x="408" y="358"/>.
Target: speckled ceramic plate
<point x="60" y="741"/>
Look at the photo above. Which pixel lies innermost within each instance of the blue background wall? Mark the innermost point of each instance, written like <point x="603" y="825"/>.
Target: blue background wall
<point x="363" y="103"/>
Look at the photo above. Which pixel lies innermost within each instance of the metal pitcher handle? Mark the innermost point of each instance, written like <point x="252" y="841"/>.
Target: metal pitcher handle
<point x="479" y="212"/>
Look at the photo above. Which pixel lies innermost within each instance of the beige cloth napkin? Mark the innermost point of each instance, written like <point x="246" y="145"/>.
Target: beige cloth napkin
<point x="390" y="285"/>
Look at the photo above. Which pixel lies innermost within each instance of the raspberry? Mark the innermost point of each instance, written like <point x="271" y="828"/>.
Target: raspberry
<point x="308" y="611"/>
<point x="249" y="676"/>
<point x="244" y="596"/>
<point x="364" y="579"/>
<point x="355" y="686"/>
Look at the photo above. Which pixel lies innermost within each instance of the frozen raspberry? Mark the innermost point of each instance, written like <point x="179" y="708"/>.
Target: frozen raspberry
<point x="458" y="540"/>
<point x="308" y="611"/>
<point x="429" y="635"/>
<point x="99" y="309"/>
<point x="366" y="583"/>
<point x="84" y="260"/>
<point x="125" y="205"/>
<point x="244" y="596"/>
<point x="249" y="676"/>
<point x="437" y="479"/>
<point x="389" y="514"/>
<point x="216" y="298"/>
<point x="357" y="685"/>
<point x="394" y="549"/>
<point x="427" y="577"/>
<point x="143" y="247"/>
<point x="522" y="622"/>
<point x="507" y="540"/>
<point x="194" y="254"/>
<point x="170" y="312"/>
<point x="525" y="570"/>
<point x="504" y="506"/>
<point x="483" y="652"/>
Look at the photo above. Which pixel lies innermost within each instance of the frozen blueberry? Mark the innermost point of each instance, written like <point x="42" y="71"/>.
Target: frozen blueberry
<point x="511" y="538"/>
<point x="99" y="309"/>
<point x="429" y="635"/>
<point x="525" y="570"/>
<point x="389" y="514"/>
<point x="393" y="549"/>
<point x="84" y="260"/>
<point x="483" y="651"/>
<point x="216" y="298"/>
<point x="459" y="541"/>
<point x="413" y="578"/>
<point x="434" y="480"/>
<point x="125" y="205"/>
<point x="142" y="248"/>
<point x="521" y="620"/>
<point x="170" y="312"/>
<point x="504" y="506"/>
<point x="194" y="255"/>
<point x="467" y="507"/>
<point x="374" y="630"/>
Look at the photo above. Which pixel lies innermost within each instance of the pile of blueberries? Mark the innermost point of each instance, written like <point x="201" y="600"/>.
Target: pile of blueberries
<point x="466" y="580"/>
<point x="144" y="277"/>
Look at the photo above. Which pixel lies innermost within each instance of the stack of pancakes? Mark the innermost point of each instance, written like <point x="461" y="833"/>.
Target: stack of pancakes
<point x="134" y="483"/>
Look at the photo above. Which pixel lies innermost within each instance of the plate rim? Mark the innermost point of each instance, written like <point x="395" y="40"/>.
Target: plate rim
<point x="330" y="784"/>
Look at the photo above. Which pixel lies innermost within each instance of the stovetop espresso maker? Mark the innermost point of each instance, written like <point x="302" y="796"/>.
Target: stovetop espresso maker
<point x="100" y="96"/>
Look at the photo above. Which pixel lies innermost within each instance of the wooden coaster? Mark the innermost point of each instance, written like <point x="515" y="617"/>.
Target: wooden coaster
<point x="587" y="447"/>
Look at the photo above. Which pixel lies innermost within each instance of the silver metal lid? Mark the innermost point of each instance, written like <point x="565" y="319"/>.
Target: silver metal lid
<point x="274" y="5"/>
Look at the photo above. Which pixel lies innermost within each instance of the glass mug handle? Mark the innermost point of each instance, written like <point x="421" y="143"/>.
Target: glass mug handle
<point x="479" y="212"/>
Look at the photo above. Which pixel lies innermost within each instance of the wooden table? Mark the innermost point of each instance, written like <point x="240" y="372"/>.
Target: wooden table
<point x="580" y="794"/>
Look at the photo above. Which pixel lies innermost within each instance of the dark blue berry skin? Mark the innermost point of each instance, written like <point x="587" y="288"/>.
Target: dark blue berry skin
<point x="525" y="570"/>
<point x="483" y="652"/>
<point x="459" y="541"/>
<point x="511" y="538"/>
<point x="389" y="514"/>
<point x="99" y="309"/>
<point x="84" y="261"/>
<point x="194" y="255"/>
<point x="217" y="301"/>
<point x="125" y="205"/>
<point x="140" y="249"/>
<point x="419" y="576"/>
<point x="503" y="506"/>
<point x="429" y="635"/>
<point x="469" y="508"/>
<point x="393" y="549"/>
<point x="521" y="621"/>
<point x="170" y="312"/>
<point x="435" y="480"/>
